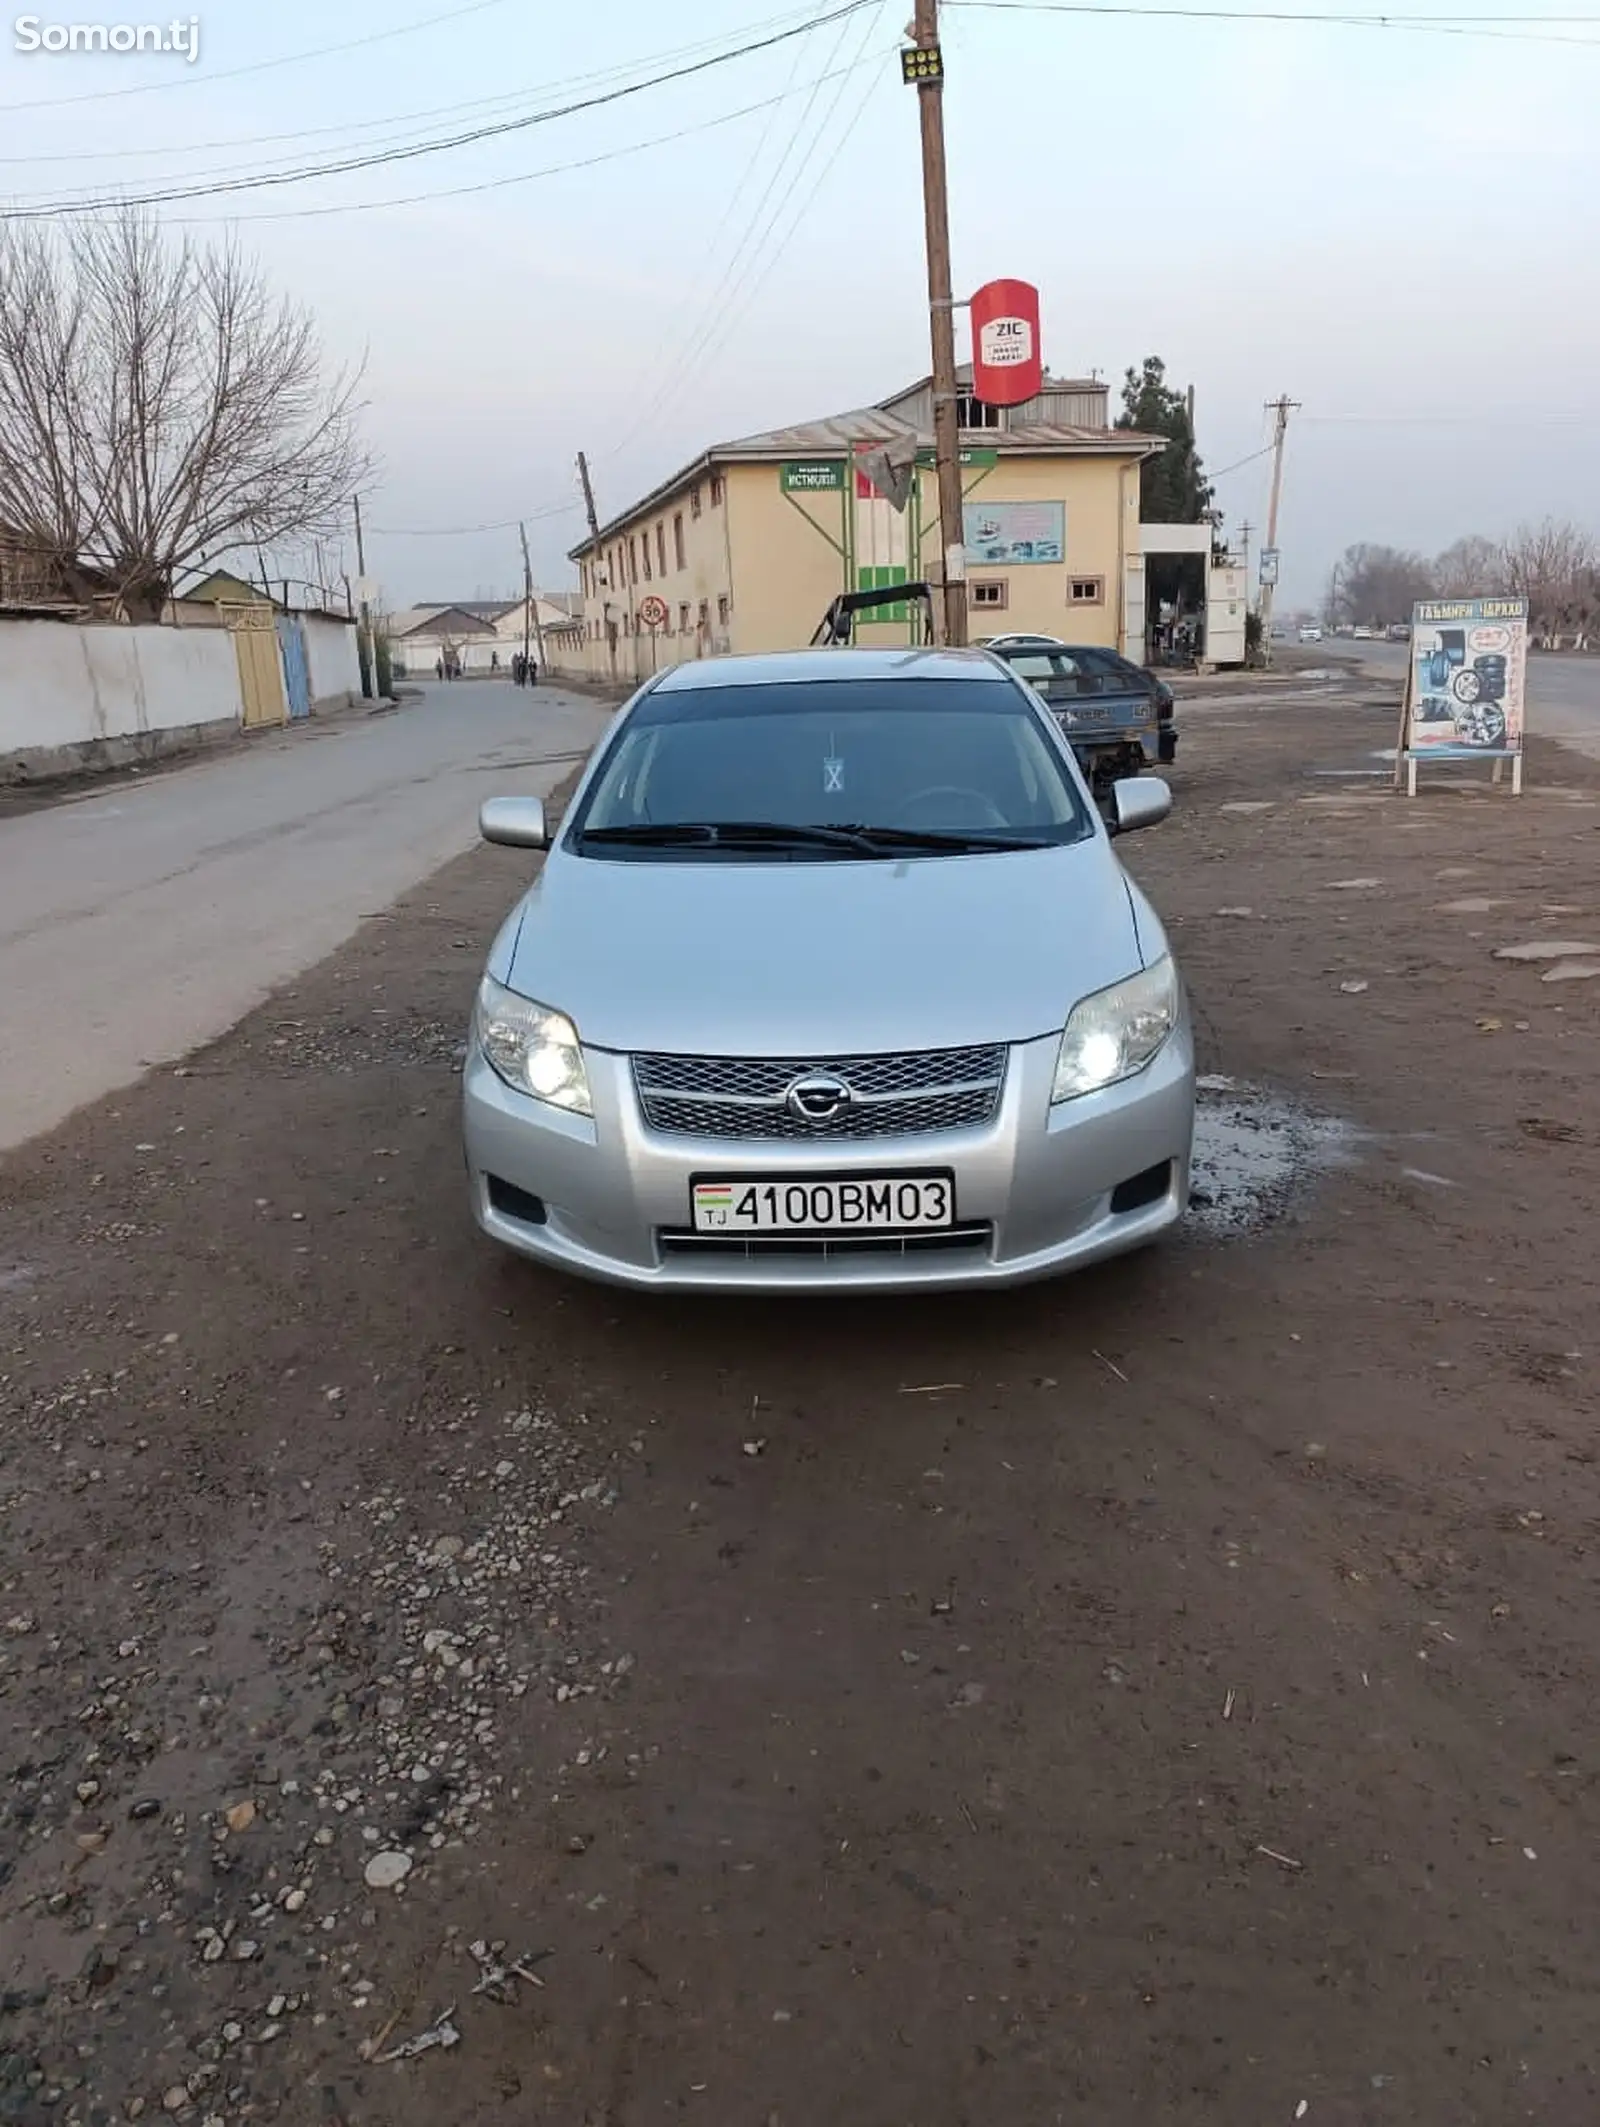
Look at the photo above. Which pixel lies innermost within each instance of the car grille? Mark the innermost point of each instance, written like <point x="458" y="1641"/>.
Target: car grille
<point x="975" y="1237"/>
<point x="742" y="1097"/>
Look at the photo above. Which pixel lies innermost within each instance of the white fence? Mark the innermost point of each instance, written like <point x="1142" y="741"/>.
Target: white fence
<point x="85" y="693"/>
<point x="332" y="659"/>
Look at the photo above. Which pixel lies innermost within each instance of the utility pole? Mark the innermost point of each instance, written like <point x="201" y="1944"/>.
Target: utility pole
<point x="588" y="496"/>
<point x="369" y="677"/>
<point x="1245" y="530"/>
<point x="1282" y="407"/>
<point x="924" y="65"/>
<point x="530" y="612"/>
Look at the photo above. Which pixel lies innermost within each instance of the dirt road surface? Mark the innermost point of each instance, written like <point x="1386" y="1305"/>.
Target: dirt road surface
<point x="435" y="1693"/>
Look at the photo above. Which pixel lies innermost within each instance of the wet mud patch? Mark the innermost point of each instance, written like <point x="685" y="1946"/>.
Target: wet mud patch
<point x="1257" y="1157"/>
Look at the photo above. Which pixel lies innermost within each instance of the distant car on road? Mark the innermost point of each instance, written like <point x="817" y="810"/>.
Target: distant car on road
<point x="1365" y="635"/>
<point x="1398" y="631"/>
<point x="831" y="979"/>
<point x="1311" y="633"/>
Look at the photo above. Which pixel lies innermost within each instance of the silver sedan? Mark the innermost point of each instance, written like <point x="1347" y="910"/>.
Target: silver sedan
<point x="831" y="979"/>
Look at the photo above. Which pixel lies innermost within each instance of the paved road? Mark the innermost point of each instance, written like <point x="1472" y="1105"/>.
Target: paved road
<point x="138" y="923"/>
<point x="1563" y="691"/>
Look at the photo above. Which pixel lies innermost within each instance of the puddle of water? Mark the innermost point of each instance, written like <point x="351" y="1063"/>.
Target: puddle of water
<point x="1254" y="1154"/>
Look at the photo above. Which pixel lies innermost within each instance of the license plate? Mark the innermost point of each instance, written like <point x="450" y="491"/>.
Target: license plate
<point x="869" y="1203"/>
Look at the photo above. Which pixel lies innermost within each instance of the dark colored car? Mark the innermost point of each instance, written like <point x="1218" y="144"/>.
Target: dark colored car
<point x="1117" y="717"/>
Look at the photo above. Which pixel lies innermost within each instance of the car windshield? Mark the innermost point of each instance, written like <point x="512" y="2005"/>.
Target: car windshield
<point x="831" y="769"/>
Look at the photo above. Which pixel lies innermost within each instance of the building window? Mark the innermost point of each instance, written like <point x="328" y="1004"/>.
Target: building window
<point x="972" y="413"/>
<point x="992" y="595"/>
<point x="694" y="501"/>
<point x="661" y="544"/>
<point x="716" y="491"/>
<point x="1086" y="591"/>
<point x="644" y="549"/>
<point x="677" y="541"/>
<point x="683" y="618"/>
<point x="705" y="613"/>
<point x="633" y="561"/>
<point x="724" y="610"/>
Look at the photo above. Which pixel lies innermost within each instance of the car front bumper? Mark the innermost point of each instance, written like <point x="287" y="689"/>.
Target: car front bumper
<point x="1039" y="1189"/>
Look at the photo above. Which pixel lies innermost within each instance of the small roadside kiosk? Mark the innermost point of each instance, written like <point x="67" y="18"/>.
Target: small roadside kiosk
<point x="1466" y="686"/>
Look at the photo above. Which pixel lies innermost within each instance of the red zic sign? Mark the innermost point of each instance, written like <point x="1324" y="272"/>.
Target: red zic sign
<point x="1007" y="366"/>
<point x="653" y="611"/>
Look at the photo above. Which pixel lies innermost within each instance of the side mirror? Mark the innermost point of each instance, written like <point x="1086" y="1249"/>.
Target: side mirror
<point x="1139" y="801"/>
<point x="515" y="823"/>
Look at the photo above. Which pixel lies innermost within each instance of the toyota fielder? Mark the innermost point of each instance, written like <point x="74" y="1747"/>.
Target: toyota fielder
<point x="830" y="979"/>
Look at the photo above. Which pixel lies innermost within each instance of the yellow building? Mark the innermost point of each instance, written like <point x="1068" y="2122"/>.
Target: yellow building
<point x="745" y="548"/>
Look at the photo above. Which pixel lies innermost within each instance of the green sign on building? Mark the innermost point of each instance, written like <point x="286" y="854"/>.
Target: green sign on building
<point x="981" y="460"/>
<point x="811" y="476"/>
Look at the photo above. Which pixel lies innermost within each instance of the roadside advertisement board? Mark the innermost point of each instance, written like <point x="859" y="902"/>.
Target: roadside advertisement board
<point x="1007" y="362"/>
<point x="1013" y="534"/>
<point x="1466" y="684"/>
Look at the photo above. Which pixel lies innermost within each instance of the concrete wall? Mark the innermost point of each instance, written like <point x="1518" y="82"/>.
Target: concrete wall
<point x="333" y="662"/>
<point x="85" y="697"/>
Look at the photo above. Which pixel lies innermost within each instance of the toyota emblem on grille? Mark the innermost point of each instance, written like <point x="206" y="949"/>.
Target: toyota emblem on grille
<point x="816" y="1097"/>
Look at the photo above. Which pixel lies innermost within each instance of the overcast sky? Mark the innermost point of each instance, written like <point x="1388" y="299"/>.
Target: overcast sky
<point x="1397" y="228"/>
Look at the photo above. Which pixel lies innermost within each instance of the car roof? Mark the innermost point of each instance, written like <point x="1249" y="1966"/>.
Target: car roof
<point x="786" y="667"/>
<point x="1000" y="644"/>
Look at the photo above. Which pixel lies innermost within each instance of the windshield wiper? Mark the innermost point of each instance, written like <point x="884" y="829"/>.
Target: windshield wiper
<point x="732" y="834"/>
<point x="859" y="840"/>
<point x="935" y="839"/>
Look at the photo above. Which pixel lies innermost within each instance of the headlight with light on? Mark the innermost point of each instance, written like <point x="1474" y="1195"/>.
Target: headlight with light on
<point x="533" y="1049"/>
<point x="1115" y="1033"/>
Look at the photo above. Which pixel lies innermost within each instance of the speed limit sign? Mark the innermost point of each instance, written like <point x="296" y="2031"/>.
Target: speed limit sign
<point x="653" y="611"/>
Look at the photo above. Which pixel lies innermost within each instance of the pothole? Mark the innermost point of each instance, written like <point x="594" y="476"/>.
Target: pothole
<point x="1255" y="1155"/>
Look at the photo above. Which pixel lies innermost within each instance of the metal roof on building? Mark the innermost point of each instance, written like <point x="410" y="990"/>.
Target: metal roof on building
<point x="838" y="435"/>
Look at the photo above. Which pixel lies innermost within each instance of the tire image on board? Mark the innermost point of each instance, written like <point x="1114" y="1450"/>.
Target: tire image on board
<point x="1481" y="724"/>
<point x="1467" y="685"/>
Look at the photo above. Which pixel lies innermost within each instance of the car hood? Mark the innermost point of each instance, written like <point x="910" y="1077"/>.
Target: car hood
<point x="819" y="958"/>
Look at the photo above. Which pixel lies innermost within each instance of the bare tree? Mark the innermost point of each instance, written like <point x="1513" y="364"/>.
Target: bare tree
<point x="1554" y="565"/>
<point x="1472" y="568"/>
<point x="159" y="407"/>
<point x="1375" y="585"/>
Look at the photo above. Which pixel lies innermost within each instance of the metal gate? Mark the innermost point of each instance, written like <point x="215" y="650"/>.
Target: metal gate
<point x="255" y="644"/>
<point x="296" y="669"/>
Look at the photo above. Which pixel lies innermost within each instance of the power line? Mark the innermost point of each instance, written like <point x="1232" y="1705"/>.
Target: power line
<point x="775" y="254"/>
<point x="1427" y="25"/>
<point x="713" y="321"/>
<point x="499" y="184"/>
<point x="468" y="531"/>
<point x="477" y="104"/>
<point x="48" y="210"/>
<point x="695" y="303"/>
<point x="1240" y="463"/>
